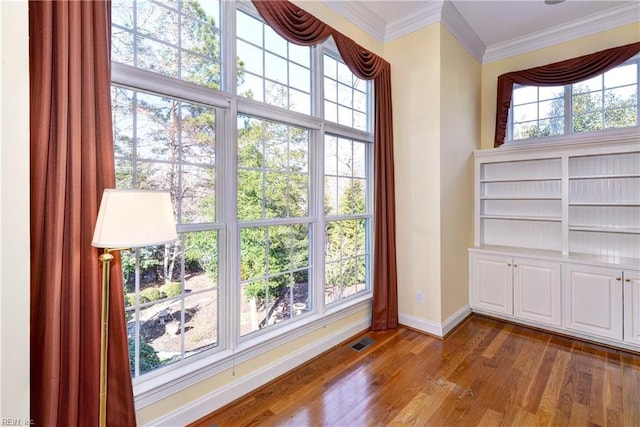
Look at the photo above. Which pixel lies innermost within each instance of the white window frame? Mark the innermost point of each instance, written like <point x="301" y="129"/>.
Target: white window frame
<point x="233" y="349"/>
<point x="569" y="135"/>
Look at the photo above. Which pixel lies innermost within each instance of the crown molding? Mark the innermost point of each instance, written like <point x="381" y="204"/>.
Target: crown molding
<point x="428" y="13"/>
<point x="357" y="13"/>
<point x="456" y="24"/>
<point x="589" y="25"/>
<point x="445" y="12"/>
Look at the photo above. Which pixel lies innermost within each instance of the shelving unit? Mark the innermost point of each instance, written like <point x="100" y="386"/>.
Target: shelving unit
<point x="571" y="208"/>
<point x="604" y="204"/>
<point x="520" y="203"/>
<point x="582" y="199"/>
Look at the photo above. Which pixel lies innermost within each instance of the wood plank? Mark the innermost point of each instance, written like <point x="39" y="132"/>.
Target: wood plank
<point x="487" y="372"/>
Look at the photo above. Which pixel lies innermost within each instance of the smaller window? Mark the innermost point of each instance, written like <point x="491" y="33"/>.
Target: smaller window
<point x="606" y="101"/>
<point x="179" y="40"/>
<point x="272" y="70"/>
<point x="345" y="95"/>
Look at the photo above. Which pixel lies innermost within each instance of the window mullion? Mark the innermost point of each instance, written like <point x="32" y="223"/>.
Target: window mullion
<point x="568" y="109"/>
<point x="316" y="157"/>
<point x="226" y="184"/>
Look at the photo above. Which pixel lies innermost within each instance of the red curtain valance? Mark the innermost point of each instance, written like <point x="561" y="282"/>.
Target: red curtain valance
<point x="559" y="73"/>
<point x="300" y="27"/>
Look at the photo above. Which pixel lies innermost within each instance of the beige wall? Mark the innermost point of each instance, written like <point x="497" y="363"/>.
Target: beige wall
<point x="14" y="212"/>
<point x="415" y="79"/>
<point x="459" y="136"/>
<point x="583" y="46"/>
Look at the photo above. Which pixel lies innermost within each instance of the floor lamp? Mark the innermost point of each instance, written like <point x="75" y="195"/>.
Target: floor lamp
<point x="127" y="219"/>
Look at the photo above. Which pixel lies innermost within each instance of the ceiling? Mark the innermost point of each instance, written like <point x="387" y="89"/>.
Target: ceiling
<point x="488" y="24"/>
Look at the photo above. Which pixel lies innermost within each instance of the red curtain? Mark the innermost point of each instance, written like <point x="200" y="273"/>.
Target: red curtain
<point x="300" y="27"/>
<point x="71" y="152"/>
<point x="559" y="73"/>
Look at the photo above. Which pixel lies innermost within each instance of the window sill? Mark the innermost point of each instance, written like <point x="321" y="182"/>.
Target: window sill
<point x="173" y="379"/>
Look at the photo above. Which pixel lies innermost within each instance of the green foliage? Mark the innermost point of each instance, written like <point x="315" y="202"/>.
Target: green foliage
<point x="171" y="289"/>
<point x="129" y="299"/>
<point x="150" y="294"/>
<point x="149" y="359"/>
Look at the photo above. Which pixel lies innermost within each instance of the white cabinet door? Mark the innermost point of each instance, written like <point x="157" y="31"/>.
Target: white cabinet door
<point x="537" y="292"/>
<point x="632" y="307"/>
<point x="593" y="300"/>
<point x="491" y="283"/>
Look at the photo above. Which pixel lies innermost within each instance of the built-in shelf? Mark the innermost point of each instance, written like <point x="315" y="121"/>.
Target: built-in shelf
<point x="612" y="176"/>
<point x="531" y="179"/>
<point x="520" y="197"/>
<point x="605" y="229"/>
<point x="622" y="204"/>
<point x="582" y="199"/>
<point x="522" y="218"/>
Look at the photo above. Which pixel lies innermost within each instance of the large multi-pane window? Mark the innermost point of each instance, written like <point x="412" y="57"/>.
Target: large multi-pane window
<point x="607" y="101"/>
<point x="270" y="178"/>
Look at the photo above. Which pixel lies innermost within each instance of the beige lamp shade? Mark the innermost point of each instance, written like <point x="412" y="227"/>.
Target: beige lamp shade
<point x="134" y="218"/>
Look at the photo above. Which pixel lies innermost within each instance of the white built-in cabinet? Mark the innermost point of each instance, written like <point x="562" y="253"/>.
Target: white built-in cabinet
<point x="525" y="288"/>
<point x="557" y="238"/>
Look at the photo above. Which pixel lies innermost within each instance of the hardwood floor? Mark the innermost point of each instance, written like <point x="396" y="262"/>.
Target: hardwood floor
<point x="485" y="373"/>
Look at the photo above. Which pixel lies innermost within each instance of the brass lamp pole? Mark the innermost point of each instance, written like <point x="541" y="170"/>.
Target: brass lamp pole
<point x="127" y="219"/>
<point x="105" y="258"/>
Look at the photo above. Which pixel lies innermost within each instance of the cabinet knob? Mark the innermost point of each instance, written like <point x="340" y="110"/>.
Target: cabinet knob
<point x="509" y="264"/>
<point x="627" y="280"/>
<point x="618" y="278"/>
<point x="515" y="265"/>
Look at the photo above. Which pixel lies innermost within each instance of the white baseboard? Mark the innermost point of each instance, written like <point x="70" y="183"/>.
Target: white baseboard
<point x="420" y="324"/>
<point x="227" y="394"/>
<point x="434" y="328"/>
<point x="455" y="319"/>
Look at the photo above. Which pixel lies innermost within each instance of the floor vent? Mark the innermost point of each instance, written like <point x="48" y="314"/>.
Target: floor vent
<point x="363" y="343"/>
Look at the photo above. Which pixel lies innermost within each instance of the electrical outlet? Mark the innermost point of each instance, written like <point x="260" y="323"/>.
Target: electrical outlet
<point x="419" y="297"/>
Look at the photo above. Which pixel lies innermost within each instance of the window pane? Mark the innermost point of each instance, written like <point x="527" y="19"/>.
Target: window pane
<point x="620" y="97"/>
<point x="122" y="108"/>
<point x="179" y="40"/>
<point x="350" y="93"/>
<point x="274" y="43"/>
<point x="592" y="84"/>
<point x="587" y="102"/>
<point x="249" y="28"/>
<point x="587" y="122"/>
<point x="550" y="92"/>
<point x="286" y="66"/>
<point x="553" y="108"/>
<point x="197" y="198"/>
<point x="345" y="259"/>
<point x="268" y="188"/>
<point x="524" y="94"/>
<point x="276" y="288"/>
<point x="622" y="75"/>
<point x="251" y="57"/>
<point x="523" y="113"/>
<point x="525" y="130"/>
<point x="622" y="117"/>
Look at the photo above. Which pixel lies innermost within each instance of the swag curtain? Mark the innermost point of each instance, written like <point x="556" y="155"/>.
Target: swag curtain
<point x="71" y="154"/>
<point x="559" y="73"/>
<point x="300" y="27"/>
